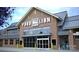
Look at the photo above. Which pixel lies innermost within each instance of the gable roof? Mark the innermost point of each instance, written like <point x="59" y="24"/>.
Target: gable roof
<point x="32" y="8"/>
<point x="62" y="16"/>
<point x="71" y="22"/>
<point x="13" y="26"/>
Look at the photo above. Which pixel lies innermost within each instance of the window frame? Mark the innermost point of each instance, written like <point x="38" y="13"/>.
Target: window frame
<point x="11" y="42"/>
<point x="6" y="42"/>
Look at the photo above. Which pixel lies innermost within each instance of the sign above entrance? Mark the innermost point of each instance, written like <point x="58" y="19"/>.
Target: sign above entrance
<point x="36" y="21"/>
<point x="42" y="38"/>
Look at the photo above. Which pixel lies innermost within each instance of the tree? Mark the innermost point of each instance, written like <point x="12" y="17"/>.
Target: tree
<point x="5" y="14"/>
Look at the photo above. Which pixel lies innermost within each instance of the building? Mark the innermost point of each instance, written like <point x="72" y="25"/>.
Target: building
<point x="41" y="29"/>
<point x="9" y="36"/>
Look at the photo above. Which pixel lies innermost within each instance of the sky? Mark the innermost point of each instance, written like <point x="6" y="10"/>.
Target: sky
<point x="20" y="12"/>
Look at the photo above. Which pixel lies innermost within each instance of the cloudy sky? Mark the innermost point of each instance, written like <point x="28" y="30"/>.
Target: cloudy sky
<point x="20" y="11"/>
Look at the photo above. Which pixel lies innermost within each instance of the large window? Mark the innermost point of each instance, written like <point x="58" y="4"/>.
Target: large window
<point x="77" y="37"/>
<point x="20" y="42"/>
<point x="6" y="42"/>
<point x="29" y="42"/>
<point x="11" y="42"/>
<point x="54" y="42"/>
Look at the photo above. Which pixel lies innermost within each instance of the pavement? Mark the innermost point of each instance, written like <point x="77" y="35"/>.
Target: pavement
<point x="10" y="49"/>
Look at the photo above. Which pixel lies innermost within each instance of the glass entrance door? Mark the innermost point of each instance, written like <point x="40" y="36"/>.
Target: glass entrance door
<point x="45" y="43"/>
<point x="42" y="43"/>
<point x="39" y="43"/>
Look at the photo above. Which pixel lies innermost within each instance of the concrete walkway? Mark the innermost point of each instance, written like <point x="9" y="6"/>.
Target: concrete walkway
<point x="8" y="49"/>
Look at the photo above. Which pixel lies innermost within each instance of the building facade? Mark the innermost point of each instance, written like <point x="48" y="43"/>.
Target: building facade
<point x="41" y="29"/>
<point x="9" y="36"/>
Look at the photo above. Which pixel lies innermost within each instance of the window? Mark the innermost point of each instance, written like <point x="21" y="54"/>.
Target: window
<point x="20" y="42"/>
<point x="54" y="42"/>
<point x="17" y="41"/>
<point x="48" y="19"/>
<point x="6" y="41"/>
<point x="77" y="37"/>
<point x="11" y="42"/>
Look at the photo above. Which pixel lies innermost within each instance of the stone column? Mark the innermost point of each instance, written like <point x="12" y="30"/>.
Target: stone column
<point x="8" y="43"/>
<point x="14" y="43"/>
<point x="71" y="40"/>
<point x="58" y="43"/>
<point x="3" y="42"/>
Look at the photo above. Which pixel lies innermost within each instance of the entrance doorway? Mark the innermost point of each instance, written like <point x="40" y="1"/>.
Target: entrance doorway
<point x="29" y="42"/>
<point x="43" y="42"/>
<point x="37" y="41"/>
<point x="64" y="43"/>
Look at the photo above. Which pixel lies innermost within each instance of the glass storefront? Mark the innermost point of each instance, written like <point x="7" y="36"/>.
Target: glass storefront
<point x="39" y="42"/>
<point x="29" y="42"/>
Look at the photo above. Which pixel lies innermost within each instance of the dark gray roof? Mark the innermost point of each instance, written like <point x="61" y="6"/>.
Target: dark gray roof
<point x="71" y="22"/>
<point x="63" y="32"/>
<point x="12" y="33"/>
<point x="13" y="26"/>
<point x="10" y="36"/>
<point x="62" y="16"/>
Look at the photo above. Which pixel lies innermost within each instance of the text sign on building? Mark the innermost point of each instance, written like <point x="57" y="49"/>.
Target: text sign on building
<point x="35" y="22"/>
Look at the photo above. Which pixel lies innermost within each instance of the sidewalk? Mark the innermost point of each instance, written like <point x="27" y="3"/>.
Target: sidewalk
<point x="8" y="49"/>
